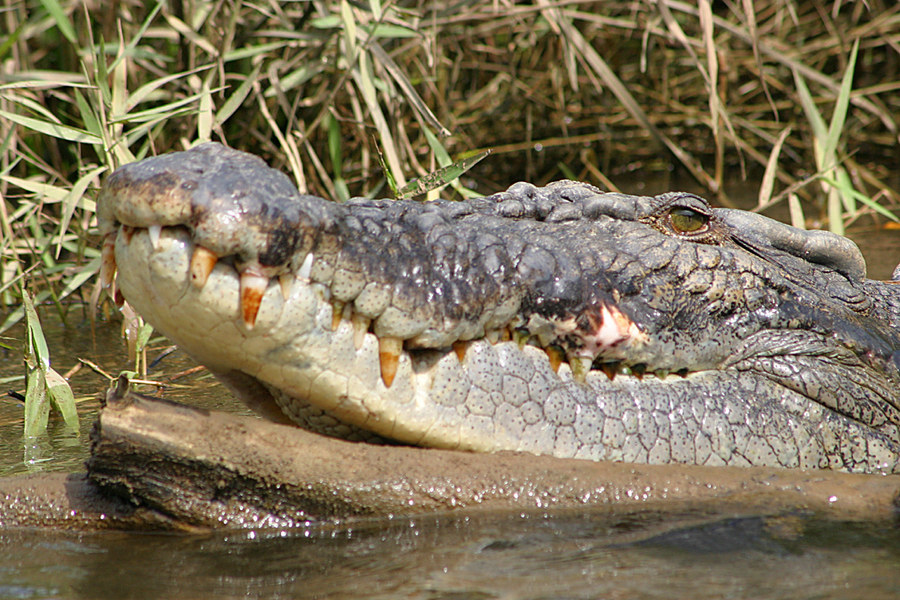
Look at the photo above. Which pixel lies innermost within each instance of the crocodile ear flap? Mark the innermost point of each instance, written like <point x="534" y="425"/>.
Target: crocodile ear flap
<point x="819" y="247"/>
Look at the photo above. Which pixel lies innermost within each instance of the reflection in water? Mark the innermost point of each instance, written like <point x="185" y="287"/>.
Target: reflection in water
<point x="500" y="556"/>
<point x="60" y="450"/>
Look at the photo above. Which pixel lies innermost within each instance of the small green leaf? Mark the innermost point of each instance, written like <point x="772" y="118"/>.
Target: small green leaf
<point x="62" y="398"/>
<point x="143" y="336"/>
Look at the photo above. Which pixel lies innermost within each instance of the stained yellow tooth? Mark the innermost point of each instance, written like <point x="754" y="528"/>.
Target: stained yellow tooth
<point x="286" y="282"/>
<point x="521" y="336"/>
<point x="389" y="350"/>
<point x="337" y="310"/>
<point x="202" y="263"/>
<point x="253" y="286"/>
<point x="638" y="370"/>
<point x="610" y="368"/>
<point x="580" y="366"/>
<point x="360" y="328"/>
<point x="556" y="356"/>
<point x="460" y="348"/>
<point x="108" y="260"/>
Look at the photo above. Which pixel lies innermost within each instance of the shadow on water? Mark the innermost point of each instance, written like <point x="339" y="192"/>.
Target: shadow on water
<point x="587" y="555"/>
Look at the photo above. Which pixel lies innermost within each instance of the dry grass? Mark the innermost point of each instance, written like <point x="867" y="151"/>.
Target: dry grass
<point x="587" y="90"/>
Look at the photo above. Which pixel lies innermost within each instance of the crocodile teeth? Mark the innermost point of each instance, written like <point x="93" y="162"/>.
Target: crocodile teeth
<point x="389" y="349"/>
<point x="521" y="337"/>
<point x="360" y="328"/>
<point x="580" y="366"/>
<point x="460" y="347"/>
<point x="286" y="282"/>
<point x="306" y="267"/>
<point x="610" y="368"/>
<point x="202" y="263"/>
<point x="556" y="356"/>
<point x="253" y="286"/>
<point x="108" y="260"/>
<point x="639" y="370"/>
<point x="153" y="231"/>
<point x="337" y="310"/>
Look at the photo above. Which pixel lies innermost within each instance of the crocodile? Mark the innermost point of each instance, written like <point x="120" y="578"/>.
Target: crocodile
<point x="558" y="320"/>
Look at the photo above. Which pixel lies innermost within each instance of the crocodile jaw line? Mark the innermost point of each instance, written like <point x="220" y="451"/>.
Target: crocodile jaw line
<point x="170" y="280"/>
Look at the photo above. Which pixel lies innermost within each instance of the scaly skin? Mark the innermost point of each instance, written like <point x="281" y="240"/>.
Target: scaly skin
<point x="557" y="320"/>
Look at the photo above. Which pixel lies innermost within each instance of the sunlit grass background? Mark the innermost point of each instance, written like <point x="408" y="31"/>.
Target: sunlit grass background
<point x="800" y="98"/>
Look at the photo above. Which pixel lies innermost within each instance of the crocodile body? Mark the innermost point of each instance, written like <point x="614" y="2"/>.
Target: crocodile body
<point x="558" y="320"/>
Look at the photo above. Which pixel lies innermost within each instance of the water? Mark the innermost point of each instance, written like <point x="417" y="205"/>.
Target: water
<point x="502" y="556"/>
<point x="592" y="554"/>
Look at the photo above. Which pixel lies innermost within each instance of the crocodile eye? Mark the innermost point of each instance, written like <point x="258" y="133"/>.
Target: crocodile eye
<point x="687" y="220"/>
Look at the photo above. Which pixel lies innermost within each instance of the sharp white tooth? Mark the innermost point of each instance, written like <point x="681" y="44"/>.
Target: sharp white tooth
<point x="389" y="350"/>
<point x="153" y="231"/>
<point x="306" y="267"/>
<point x="108" y="260"/>
<point x="360" y="328"/>
<point x="253" y="286"/>
<point x="202" y="263"/>
<point x="493" y="336"/>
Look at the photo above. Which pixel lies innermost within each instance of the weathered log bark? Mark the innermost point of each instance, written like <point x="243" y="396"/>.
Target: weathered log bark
<point x="155" y="464"/>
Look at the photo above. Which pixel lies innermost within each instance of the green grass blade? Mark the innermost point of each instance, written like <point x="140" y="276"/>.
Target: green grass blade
<point x="812" y="113"/>
<point x="839" y="115"/>
<point x="71" y="200"/>
<point x="63" y="132"/>
<point x="37" y="408"/>
<point x="62" y="20"/>
<point x="335" y="153"/>
<point x="36" y="343"/>
<point x="236" y="99"/>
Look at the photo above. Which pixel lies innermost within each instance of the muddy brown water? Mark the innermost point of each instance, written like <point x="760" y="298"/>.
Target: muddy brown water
<point x="586" y="554"/>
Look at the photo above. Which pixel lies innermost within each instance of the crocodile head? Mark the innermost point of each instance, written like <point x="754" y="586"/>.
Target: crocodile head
<point x="558" y="320"/>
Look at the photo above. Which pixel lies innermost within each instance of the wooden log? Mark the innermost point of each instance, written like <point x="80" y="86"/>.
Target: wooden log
<point x="205" y="468"/>
<point x="159" y="465"/>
